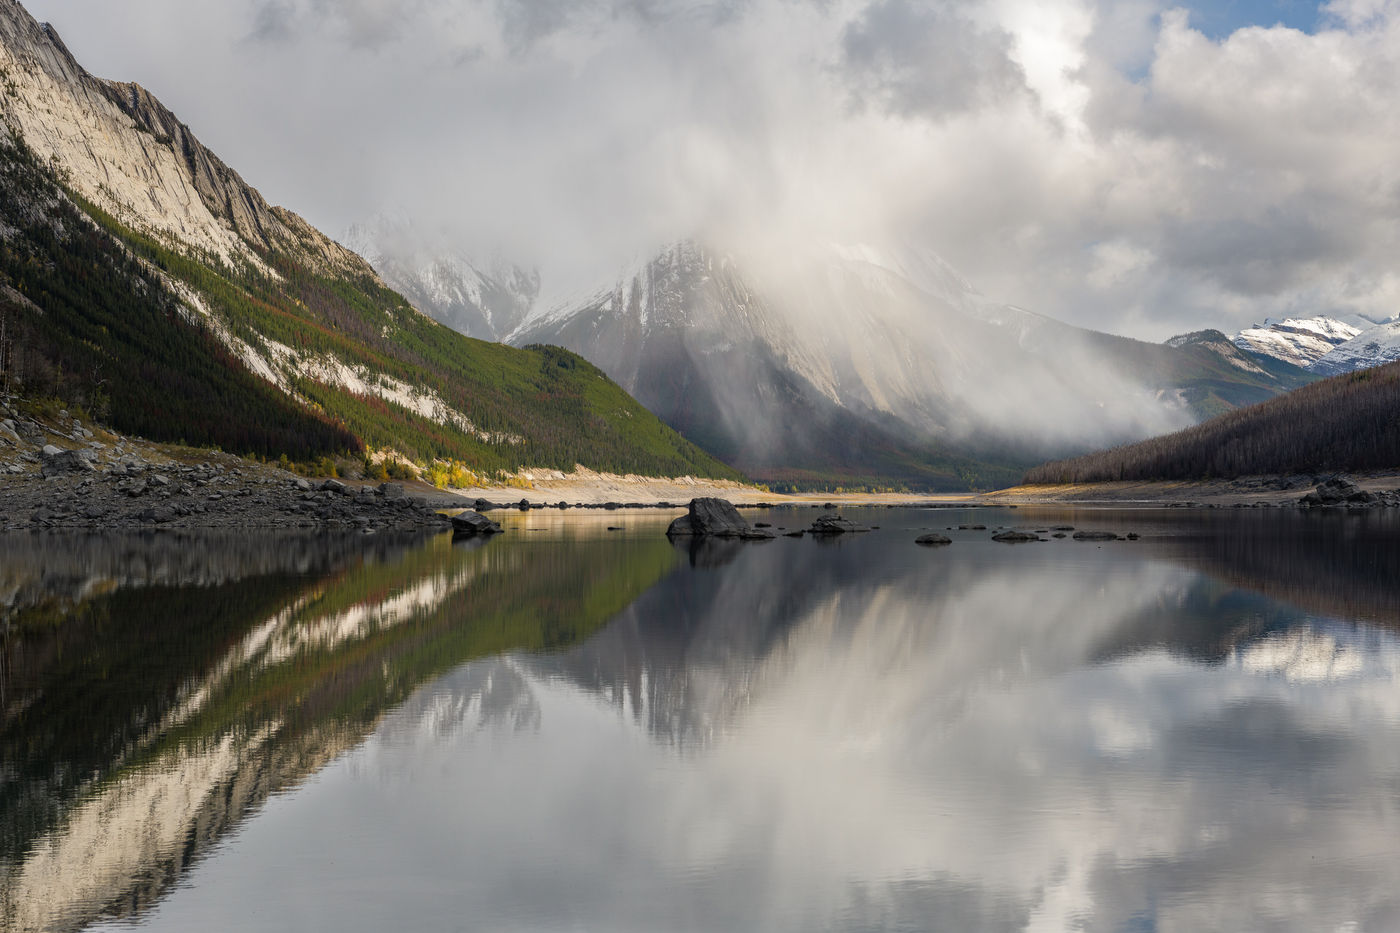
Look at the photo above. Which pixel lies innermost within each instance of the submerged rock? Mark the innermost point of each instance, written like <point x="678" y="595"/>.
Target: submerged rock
<point x="1095" y="536"/>
<point x="716" y="518"/>
<point x="933" y="540"/>
<point x="1015" y="537"/>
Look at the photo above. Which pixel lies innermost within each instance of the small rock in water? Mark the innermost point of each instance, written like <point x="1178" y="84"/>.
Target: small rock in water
<point x="1095" y="536"/>
<point x="1014" y="537"/>
<point x="933" y="540"/>
<point x="835" y="525"/>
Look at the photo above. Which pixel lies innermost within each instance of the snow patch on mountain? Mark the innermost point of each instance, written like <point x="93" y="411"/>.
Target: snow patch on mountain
<point x="1373" y="347"/>
<point x="1300" y="341"/>
<point x="483" y="298"/>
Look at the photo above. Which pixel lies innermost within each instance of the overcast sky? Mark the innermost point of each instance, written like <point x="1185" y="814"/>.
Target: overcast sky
<point x="1125" y="165"/>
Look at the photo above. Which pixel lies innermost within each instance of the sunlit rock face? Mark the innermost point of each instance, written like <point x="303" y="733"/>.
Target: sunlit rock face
<point x="122" y="150"/>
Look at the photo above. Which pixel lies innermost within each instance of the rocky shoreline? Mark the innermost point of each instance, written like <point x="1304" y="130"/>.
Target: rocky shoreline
<point x="57" y="473"/>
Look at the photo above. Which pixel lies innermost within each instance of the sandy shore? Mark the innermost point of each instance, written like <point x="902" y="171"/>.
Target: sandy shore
<point x="1274" y="490"/>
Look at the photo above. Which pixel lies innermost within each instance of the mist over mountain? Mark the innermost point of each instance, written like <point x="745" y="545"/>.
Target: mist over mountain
<point x="486" y="299"/>
<point x="790" y="361"/>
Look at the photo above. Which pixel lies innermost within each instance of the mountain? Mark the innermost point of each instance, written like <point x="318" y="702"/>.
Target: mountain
<point x="1300" y="341"/>
<point x="849" y="363"/>
<point x="486" y="300"/>
<point x="1372" y="347"/>
<point x="144" y="279"/>
<point x="1349" y="422"/>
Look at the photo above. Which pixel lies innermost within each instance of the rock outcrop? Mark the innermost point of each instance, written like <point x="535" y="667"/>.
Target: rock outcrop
<point x="123" y="150"/>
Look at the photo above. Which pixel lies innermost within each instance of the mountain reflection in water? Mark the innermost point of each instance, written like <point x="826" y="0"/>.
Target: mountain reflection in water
<point x="1165" y="734"/>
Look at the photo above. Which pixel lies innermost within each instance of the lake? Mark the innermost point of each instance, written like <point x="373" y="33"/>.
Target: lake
<point x="568" y="728"/>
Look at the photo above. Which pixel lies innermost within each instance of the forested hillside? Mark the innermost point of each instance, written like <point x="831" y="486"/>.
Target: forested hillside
<point x="1346" y="423"/>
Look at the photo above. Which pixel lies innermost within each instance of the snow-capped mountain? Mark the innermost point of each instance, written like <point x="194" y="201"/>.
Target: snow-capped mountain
<point x="1371" y="347"/>
<point x="482" y="299"/>
<point x="779" y="365"/>
<point x="1300" y="341"/>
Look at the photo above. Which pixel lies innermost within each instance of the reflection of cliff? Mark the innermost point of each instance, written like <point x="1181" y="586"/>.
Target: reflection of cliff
<point x="114" y="785"/>
<point x="44" y="578"/>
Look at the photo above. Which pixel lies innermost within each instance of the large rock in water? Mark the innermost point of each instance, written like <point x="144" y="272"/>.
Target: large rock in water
<point x="835" y="525"/>
<point x="714" y="518"/>
<point x="470" y="524"/>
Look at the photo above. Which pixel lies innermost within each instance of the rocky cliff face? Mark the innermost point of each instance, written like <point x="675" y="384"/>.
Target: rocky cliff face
<point x="124" y="151"/>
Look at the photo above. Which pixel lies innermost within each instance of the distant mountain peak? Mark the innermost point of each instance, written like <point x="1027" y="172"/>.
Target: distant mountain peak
<point x="1300" y="341"/>
<point x="483" y="297"/>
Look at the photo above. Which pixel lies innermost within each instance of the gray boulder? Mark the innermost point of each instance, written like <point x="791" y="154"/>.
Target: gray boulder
<point x="835" y="525"/>
<point x="57" y="461"/>
<point x="471" y="524"/>
<point x="715" y="518"/>
<point x="1338" y="491"/>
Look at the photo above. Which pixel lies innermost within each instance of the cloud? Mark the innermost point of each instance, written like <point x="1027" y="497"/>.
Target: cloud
<point x="1253" y="175"/>
<point x="927" y="59"/>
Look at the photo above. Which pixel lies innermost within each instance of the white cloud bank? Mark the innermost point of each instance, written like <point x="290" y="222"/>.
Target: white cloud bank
<point x="1105" y="163"/>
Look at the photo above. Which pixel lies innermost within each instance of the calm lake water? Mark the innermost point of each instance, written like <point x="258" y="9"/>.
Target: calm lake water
<point x="572" y="729"/>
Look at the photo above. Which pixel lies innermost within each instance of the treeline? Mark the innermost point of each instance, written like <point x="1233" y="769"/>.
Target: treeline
<point x="1346" y="423"/>
<point x="90" y="326"/>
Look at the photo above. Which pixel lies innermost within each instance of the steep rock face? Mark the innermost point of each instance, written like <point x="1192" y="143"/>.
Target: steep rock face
<point x="125" y="152"/>
<point x="482" y="299"/>
<point x="1373" y="347"/>
<point x="1300" y="341"/>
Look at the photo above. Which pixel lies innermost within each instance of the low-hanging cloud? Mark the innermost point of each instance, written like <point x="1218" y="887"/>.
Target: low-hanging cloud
<point x="1107" y="164"/>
